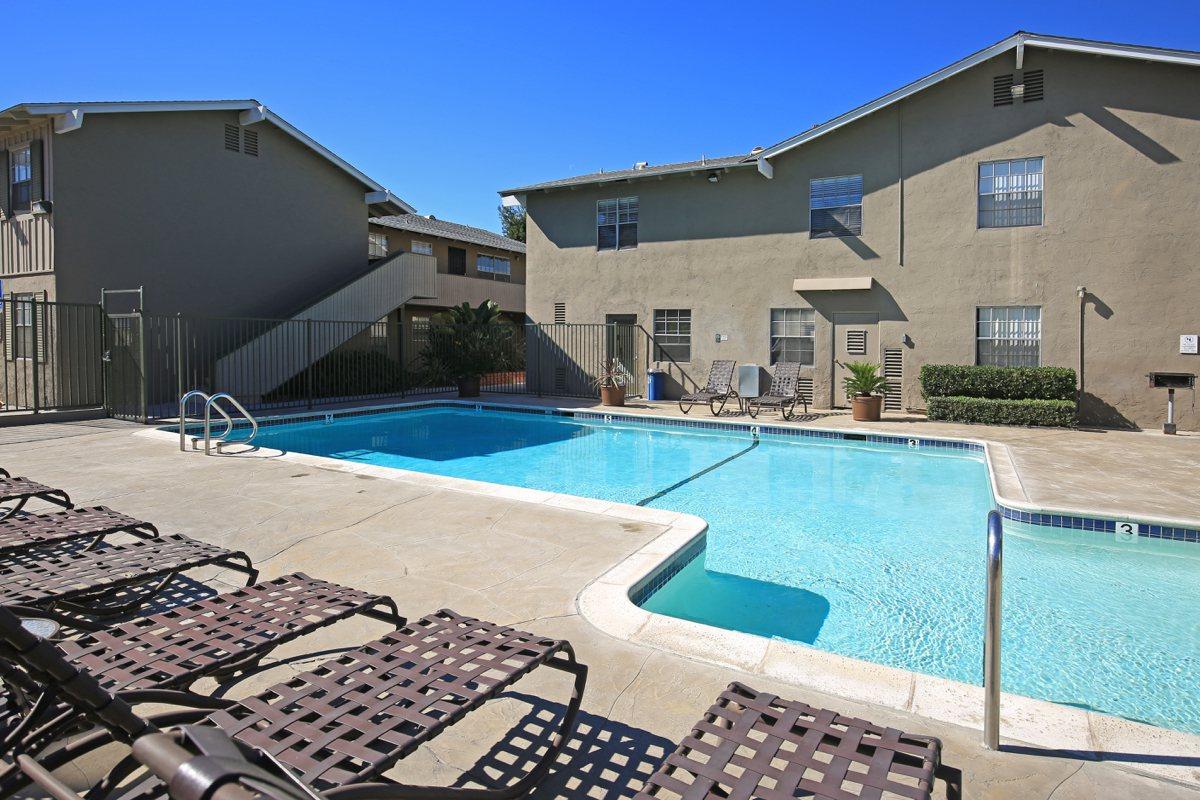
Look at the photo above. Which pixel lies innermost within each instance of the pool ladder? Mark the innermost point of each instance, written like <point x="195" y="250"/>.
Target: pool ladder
<point x="212" y="402"/>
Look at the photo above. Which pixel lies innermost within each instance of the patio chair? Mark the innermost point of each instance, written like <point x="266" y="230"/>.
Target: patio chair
<point x="168" y="652"/>
<point x="108" y="580"/>
<point x="39" y="530"/>
<point x="783" y="393"/>
<point x="752" y="744"/>
<point x="21" y="490"/>
<point x="719" y="389"/>
<point x="340" y="726"/>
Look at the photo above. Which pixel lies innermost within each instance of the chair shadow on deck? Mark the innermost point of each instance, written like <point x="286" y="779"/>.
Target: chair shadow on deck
<point x="604" y="759"/>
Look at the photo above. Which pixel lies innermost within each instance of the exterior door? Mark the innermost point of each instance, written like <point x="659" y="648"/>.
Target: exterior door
<point x="456" y="261"/>
<point x="855" y="338"/>
<point x="620" y="343"/>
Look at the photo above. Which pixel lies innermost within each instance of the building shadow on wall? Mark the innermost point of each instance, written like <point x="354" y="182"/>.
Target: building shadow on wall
<point x="1096" y="412"/>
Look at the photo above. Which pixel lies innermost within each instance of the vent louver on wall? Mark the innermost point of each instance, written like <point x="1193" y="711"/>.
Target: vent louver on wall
<point x="1034" y="86"/>
<point x="560" y="379"/>
<point x="893" y="370"/>
<point x="856" y="343"/>
<point x="1002" y="90"/>
<point x="806" y="389"/>
<point x="250" y="143"/>
<point x="233" y="138"/>
<point x="560" y="313"/>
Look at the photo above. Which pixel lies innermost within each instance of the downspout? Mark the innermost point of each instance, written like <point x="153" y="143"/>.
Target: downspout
<point x="1082" y="290"/>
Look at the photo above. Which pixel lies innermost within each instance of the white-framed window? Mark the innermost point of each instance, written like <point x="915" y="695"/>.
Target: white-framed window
<point x="835" y="206"/>
<point x="1010" y="192"/>
<point x="1008" y="336"/>
<point x="493" y="267"/>
<point x="422" y="248"/>
<point x="23" y="309"/>
<point x="20" y="179"/>
<point x="793" y="335"/>
<point x="617" y="223"/>
<point x="673" y="332"/>
<point x="377" y="245"/>
<point x="379" y="330"/>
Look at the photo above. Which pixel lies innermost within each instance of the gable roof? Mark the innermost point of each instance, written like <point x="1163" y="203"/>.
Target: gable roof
<point x="1017" y="42"/>
<point x="69" y="116"/>
<point x="431" y="226"/>
<point x="635" y="172"/>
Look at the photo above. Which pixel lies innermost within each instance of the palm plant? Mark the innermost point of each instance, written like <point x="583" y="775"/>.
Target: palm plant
<point x="467" y="343"/>
<point x="864" y="380"/>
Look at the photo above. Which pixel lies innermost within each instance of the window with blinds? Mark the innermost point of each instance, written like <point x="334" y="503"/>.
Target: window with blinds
<point x="493" y="267"/>
<point x="377" y="245"/>
<point x="1008" y="336"/>
<point x="673" y="332"/>
<point x="617" y="223"/>
<point x="1010" y="193"/>
<point x="835" y="206"/>
<point x="793" y="334"/>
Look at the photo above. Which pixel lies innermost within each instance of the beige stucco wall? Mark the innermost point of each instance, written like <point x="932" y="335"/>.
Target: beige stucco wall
<point x="1121" y="141"/>
<point x="402" y="240"/>
<point x="155" y="199"/>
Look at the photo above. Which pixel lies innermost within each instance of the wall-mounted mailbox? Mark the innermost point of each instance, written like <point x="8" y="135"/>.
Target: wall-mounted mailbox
<point x="1172" y="380"/>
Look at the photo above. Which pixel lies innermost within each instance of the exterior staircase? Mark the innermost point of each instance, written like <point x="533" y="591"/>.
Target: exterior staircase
<point x="266" y="361"/>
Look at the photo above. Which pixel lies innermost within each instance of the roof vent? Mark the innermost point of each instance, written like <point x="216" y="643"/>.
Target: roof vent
<point x="758" y="148"/>
<point x="250" y="143"/>
<point x="1034" y="86"/>
<point x="233" y="140"/>
<point x="641" y="165"/>
<point x="1002" y="90"/>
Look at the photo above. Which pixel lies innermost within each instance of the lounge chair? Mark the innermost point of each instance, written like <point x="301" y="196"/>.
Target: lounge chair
<point x="168" y="652"/>
<point x="783" y="394"/>
<point x="39" y="530"/>
<point x="109" y="580"/>
<point x="719" y="389"/>
<point x="749" y="745"/>
<point x="21" y="490"/>
<point x="342" y="724"/>
<point x="754" y="744"/>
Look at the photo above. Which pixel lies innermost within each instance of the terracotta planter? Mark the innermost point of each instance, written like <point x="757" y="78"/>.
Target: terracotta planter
<point x="866" y="409"/>
<point x="612" y="395"/>
<point x="468" y="387"/>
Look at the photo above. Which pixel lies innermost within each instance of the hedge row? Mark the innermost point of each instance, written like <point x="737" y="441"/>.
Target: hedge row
<point x="992" y="411"/>
<point x="1009" y="383"/>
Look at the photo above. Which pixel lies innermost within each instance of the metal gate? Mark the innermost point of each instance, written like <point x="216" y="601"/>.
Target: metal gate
<point x="124" y="366"/>
<point x="50" y="355"/>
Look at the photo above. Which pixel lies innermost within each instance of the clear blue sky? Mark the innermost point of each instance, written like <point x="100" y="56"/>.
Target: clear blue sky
<point x="446" y="102"/>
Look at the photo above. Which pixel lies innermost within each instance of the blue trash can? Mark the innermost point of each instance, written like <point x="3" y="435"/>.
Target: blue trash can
<point x="656" y="380"/>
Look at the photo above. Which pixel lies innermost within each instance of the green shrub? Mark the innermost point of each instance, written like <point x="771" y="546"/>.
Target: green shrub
<point x="1007" y="383"/>
<point x="991" y="411"/>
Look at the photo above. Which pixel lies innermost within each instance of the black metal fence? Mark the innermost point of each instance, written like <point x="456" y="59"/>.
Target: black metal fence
<point x="52" y="355"/>
<point x="60" y="355"/>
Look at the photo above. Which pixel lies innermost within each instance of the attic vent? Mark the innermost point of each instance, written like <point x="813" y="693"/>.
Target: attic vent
<point x="1034" y="86"/>
<point x="560" y="313"/>
<point x="856" y="343"/>
<point x="233" y="138"/>
<point x="1002" y="90"/>
<point x="250" y="142"/>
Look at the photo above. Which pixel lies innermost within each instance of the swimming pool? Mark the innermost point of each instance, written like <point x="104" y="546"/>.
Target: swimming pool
<point x="868" y="550"/>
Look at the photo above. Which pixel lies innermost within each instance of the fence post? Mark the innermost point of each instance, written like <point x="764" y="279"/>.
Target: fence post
<point x="144" y="373"/>
<point x="33" y="336"/>
<point x="400" y="352"/>
<point x="105" y="360"/>
<point x="537" y="360"/>
<point x="308" y="370"/>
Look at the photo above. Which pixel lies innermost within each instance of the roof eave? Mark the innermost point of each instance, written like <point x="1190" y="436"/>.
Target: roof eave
<point x="600" y="180"/>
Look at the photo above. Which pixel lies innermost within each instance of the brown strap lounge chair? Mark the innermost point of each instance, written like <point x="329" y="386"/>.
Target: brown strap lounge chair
<point x="171" y="650"/>
<point x="752" y="744"/>
<point x="716" y="393"/>
<point x="109" y="580"/>
<point x="339" y="726"/>
<point x="40" y="530"/>
<point x="20" y="491"/>
<point x="783" y="394"/>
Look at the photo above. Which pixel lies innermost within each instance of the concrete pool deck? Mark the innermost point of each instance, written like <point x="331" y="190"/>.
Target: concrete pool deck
<point x="516" y="562"/>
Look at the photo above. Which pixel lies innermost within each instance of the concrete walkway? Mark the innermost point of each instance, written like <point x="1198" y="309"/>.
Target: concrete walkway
<point x="514" y="563"/>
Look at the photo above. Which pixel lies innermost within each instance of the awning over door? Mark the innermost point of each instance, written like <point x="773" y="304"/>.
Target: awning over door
<point x="832" y="284"/>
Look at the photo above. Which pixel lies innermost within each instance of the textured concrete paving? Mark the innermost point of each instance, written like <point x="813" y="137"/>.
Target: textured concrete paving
<point x="501" y="559"/>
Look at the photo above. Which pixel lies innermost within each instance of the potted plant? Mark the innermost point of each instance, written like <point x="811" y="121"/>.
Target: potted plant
<point x="467" y="343"/>
<point x="865" y="387"/>
<point x="611" y="379"/>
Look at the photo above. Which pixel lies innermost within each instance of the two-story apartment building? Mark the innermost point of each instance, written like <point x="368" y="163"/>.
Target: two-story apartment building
<point x="1033" y="203"/>
<point x="473" y="265"/>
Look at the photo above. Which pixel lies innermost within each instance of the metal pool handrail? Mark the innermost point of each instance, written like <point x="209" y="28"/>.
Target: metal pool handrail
<point x="183" y="419"/>
<point x="208" y="406"/>
<point x="991" y="632"/>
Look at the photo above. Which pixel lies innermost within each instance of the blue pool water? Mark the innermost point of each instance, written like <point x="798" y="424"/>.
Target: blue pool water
<point x="870" y="551"/>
